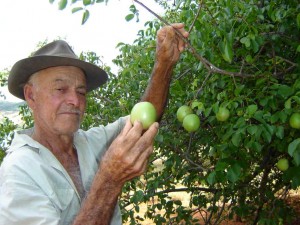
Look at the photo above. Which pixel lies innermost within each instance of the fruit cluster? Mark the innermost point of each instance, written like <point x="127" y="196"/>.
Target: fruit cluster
<point x="190" y="121"/>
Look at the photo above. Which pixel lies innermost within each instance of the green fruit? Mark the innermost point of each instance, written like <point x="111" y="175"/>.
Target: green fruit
<point x="144" y="112"/>
<point x="183" y="111"/>
<point x="282" y="164"/>
<point x="295" y="120"/>
<point x="191" y="123"/>
<point x="222" y="114"/>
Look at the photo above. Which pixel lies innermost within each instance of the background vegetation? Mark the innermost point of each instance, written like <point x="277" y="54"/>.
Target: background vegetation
<point x="242" y="55"/>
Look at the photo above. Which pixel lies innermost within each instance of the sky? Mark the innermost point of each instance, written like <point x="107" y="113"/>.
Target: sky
<point x="24" y="23"/>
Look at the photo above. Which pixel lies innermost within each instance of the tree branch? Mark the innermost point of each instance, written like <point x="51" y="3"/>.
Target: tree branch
<point x="212" y="190"/>
<point x="208" y="65"/>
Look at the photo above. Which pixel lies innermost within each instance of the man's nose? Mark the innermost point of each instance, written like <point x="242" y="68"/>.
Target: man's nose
<point x="73" y="98"/>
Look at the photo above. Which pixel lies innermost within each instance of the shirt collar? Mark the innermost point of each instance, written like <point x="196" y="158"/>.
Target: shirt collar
<point x="23" y="138"/>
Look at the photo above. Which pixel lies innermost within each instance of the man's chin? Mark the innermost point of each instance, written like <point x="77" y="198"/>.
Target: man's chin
<point x="69" y="131"/>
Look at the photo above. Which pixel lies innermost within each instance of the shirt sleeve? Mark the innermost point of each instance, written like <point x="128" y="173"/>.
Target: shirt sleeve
<point x="23" y="202"/>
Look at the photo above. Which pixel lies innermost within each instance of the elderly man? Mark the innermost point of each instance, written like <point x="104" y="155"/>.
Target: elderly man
<point x="56" y="173"/>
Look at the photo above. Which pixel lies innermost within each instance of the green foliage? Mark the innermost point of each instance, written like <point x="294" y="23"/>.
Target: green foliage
<point x="253" y="45"/>
<point x="62" y="4"/>
<point x="3" y="81"/>
<point x="7" y="127"/>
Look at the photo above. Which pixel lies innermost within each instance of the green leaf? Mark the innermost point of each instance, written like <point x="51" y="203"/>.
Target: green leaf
<point x="288" y="103"/>
<point x="259" y="116"/>
<point x="86" y="2"/>
<point x="294" y="151"/>
<point x="256" y="146"/>
<point x="85" y="16"/>
<point x="228" y="133"/>
<point x="285" y="91"/>
<point x="62" y="4"/>
<point x="137" y="197"/>
<point x="51" y="1"/>
<point x="295" y="182"/>
<point x="159" y="206"/>
<point x="293" y="146"/>
<point x="280" y="132"/>
<point x="228" y="53"/>
<point x="270" y="128"/>
<point x="221" y="166"/>
<point x="76" y="9"/>
<point x="283" y="116"/>
<point x="226" y="50"/>
<point x="197" y="104"/>
<point x="260" y="81"/>
<point x="211" y="179"/>
<point x="246" y="41"/>
<point x="255" y="46"/>
<point x="252" y="129"/>
<point x="239" y="89"/>
<point x="274" y="118"/>
<point x="296" y="157"/>
<point x="129" y="17"/>
<point x="267" y="135"/>
<point x="159" y="138"/>
<point x="251" y="109"/>
<point x="234" y="173"/>
<point x="298" y="20"/>
<point x="132" y="9"/>
<point x="249" y="59"/>
<point x="236" y="139"/>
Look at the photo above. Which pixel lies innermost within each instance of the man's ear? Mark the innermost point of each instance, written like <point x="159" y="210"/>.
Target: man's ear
<point x="29" y="95"/>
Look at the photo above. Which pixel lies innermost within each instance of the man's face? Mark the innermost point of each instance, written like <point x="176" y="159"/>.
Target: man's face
<point x="58" y="99"/>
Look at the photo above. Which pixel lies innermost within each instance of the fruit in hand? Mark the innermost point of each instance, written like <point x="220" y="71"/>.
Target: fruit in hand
<point x="183" y="111"/>
<point x="144" y="112"/>
<point x="295" y="120"/>
<point x="191" y="123"/>
<point x="282" y="164"/>
<point x="223" y="114"/>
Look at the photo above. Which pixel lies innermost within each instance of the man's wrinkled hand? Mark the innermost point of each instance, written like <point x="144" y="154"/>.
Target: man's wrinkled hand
<point x="127" y="157"/>
<point x="169" y="44"/>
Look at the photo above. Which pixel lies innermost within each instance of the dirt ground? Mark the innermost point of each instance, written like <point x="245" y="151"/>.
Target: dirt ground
<point x="292" y="200"/>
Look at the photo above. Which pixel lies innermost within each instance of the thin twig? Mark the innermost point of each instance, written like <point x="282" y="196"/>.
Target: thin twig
<point x="203" y="83"/>
<point x="183" y="74"/>
<point x="212" y="190"/>
<point x="196" y="17"/>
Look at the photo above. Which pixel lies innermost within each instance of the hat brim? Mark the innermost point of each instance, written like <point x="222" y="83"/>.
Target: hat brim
<point x="24" y="68"/>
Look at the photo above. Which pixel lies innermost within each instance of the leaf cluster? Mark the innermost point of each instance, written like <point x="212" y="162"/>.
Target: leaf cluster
<point x="226" y="168"/>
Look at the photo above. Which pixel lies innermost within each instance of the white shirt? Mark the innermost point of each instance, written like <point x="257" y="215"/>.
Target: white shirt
<point x="35" y="188"/>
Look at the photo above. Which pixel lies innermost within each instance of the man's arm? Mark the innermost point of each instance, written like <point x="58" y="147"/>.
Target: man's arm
<point x="127" y="157"/>
<point x="169" y="47"/>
